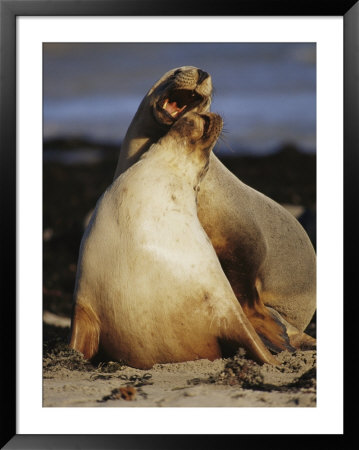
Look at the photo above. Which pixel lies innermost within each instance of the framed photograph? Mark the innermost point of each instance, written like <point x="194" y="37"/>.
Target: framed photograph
<point x="72" y="76"/>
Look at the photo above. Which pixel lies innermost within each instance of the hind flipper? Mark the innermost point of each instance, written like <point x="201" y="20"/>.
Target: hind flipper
<point x="85" y="331"/>
<point x="298" y="339"/>
<point x="303" y="341"/>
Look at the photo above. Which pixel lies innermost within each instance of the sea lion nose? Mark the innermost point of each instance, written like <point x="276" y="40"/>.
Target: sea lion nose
<point x="202" y="75"/>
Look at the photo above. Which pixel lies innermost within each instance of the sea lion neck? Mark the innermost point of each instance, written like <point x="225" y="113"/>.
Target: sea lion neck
<point x="136" y="142"/>
<point x="190" y="167"/>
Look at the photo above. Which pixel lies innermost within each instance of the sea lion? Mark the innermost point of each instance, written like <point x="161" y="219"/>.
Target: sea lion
<point x="264" y="251"/>
<point x="150" y="288"/>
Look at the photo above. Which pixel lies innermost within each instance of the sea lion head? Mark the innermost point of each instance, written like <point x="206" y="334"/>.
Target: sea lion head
<point x="176" y="93"/>
<point x="179" y="91"/>
<point x="197" y="133"/>
<point x="190" y="140"/>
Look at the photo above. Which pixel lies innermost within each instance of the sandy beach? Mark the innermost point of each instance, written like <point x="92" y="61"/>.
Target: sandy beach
<point x="70" y="381"/>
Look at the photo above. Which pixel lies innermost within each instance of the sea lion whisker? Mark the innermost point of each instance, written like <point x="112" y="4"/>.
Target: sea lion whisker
<point x="223" y="139"/>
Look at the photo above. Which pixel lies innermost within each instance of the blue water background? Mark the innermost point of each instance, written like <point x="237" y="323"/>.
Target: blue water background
<point x="266" y="92"/>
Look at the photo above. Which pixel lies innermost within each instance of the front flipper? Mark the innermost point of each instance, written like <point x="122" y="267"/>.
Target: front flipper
<point x="85" y="331"/>
<point x="269" y="327"/>
<point x="271" y="330"/>
<point x="235" y="327"/>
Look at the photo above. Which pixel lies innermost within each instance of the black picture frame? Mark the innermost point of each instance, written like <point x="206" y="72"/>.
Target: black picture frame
<point x="9" y="10"/>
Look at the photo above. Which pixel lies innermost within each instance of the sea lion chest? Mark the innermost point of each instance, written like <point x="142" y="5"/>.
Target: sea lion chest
<point x="151" y="262"/>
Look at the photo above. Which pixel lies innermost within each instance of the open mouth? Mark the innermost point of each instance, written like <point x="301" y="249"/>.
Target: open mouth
<point x="177" y="102"/>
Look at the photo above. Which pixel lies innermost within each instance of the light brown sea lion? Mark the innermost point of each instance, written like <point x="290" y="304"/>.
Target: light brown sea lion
<point x="150" y="288"/>
<point x="264" y="251"/>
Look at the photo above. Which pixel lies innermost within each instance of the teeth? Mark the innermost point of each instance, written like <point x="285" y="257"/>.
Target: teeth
<point x="172" y="105"/>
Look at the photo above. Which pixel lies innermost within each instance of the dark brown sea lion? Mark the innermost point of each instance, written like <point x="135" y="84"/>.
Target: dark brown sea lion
<point x="264" y="251"/>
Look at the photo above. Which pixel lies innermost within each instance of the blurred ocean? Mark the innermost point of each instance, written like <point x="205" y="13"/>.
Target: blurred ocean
<point x="266" y="92"/>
